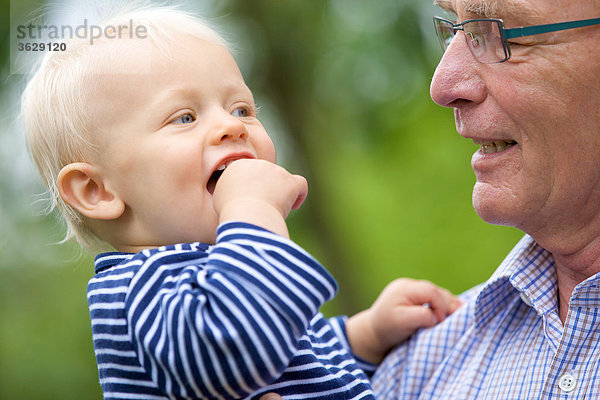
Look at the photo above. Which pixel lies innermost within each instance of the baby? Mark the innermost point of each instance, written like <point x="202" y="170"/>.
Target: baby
<point x="152" y="145"/>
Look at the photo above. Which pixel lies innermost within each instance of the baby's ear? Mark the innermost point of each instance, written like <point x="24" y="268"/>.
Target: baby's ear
<point x="82" y="187"/>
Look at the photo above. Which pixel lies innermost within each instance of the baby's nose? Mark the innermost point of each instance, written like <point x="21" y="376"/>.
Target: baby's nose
<point x="229" y="128"/>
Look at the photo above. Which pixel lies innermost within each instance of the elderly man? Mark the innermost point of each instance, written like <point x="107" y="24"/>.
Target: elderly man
<point x="530" y="98"/>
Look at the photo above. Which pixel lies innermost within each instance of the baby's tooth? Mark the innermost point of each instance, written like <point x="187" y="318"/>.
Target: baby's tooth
<point x="221" y="167"/>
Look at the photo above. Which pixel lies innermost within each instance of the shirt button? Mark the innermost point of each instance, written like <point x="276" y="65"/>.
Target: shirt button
<point x="567" y="382"/>
<point x="525" y="299"/>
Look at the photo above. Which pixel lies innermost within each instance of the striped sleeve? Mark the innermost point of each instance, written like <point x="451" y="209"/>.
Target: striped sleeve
<point x="338" y="325"/>
<point x="229" y="325"/>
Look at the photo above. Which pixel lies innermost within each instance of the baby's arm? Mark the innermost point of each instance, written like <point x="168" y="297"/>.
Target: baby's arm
<point x="226" y="323"/>
<point x="404" y="306"/>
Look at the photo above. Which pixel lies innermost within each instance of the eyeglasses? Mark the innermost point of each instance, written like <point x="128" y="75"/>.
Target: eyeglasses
<point x="488" y="39"/>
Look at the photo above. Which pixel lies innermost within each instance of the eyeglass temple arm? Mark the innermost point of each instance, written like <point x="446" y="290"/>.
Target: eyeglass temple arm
<point x="538" y="29"/>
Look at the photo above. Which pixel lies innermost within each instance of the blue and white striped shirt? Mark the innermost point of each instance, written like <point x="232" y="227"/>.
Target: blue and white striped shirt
<point x="507" y="342"/>
<point x="233" y="320"/>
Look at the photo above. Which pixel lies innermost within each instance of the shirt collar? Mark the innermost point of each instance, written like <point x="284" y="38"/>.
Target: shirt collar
<point x="107" y="260"/>
<point x="529" y="271"/>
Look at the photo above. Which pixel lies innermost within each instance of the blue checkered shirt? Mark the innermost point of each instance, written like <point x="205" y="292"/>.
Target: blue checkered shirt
<point x="507" y="342"/>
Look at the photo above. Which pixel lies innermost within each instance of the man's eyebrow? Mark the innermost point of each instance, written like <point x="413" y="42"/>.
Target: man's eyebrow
<point x="490" y="8"/>
<point x="485" y="9"/>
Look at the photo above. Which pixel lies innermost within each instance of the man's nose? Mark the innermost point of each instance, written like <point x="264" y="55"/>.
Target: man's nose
<point x="457" y="78"/>
<point x="226" y="127"/>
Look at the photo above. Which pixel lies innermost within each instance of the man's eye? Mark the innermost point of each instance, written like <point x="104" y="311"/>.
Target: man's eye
<point x="240" y="112"/>
<point x="186" y="118"/>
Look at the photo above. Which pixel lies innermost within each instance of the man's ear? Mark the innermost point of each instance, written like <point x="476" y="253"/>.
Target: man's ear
<point x="82" y="187"/>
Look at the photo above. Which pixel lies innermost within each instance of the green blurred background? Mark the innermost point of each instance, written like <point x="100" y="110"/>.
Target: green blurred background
<point x="343" y="87"/>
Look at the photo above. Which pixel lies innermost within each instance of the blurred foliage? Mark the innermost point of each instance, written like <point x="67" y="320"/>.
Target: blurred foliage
<point x="343" y="88"/>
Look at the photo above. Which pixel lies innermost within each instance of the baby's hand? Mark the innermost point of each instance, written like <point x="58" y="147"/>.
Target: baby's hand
<point x="258" y="192"/>
<point x="404" y="306"/>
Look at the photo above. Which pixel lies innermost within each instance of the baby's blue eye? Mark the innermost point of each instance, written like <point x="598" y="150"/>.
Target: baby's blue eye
<point x="240" y="112"/>
<point x="186" y="118"/>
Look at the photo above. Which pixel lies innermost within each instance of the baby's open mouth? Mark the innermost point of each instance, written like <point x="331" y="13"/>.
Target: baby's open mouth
<point x="214" y="177"/>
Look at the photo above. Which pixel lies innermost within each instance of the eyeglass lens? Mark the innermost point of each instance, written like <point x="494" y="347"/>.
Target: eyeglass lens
<point x="483" y="37"/>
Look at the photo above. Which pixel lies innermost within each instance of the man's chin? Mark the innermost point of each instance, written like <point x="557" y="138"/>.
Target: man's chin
<point x="494" y="209"/>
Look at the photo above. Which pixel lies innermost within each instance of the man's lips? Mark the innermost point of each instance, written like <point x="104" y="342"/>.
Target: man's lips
<point x="220" y="167"/>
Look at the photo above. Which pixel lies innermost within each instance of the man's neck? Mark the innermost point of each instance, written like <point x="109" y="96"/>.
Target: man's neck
<point x="572" y="269"/>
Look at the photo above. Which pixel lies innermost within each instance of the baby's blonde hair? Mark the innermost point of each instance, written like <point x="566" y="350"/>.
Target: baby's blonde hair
<point x="59" y="97"/>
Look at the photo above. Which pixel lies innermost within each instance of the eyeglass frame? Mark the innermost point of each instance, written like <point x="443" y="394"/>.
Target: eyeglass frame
<point x="511" y="33"/>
